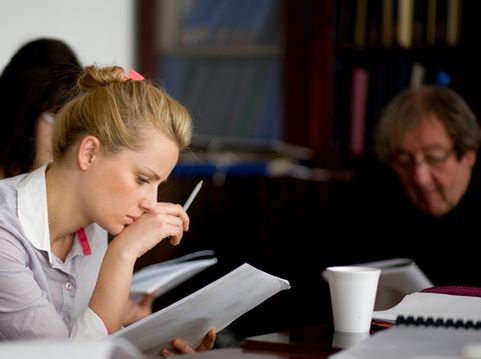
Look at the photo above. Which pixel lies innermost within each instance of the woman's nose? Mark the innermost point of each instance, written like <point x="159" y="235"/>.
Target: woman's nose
<point x="148" y="202"/>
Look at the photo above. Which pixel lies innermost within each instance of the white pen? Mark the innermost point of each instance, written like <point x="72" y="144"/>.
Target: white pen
<point x="192" y="195"/>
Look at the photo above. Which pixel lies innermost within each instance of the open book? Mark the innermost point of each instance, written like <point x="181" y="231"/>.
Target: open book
<point x="161" y="277"/>
<point x="214" y="306"/>
<point x="399" y="276"/>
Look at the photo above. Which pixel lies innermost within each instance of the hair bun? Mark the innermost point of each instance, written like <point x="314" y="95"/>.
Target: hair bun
<point x="93" y="77"/>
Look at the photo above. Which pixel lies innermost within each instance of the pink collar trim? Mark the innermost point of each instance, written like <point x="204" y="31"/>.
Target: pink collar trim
<point x="84" y="243"/>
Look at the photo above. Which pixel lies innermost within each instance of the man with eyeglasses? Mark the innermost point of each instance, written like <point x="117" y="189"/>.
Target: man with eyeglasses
<point x="422" y="200"/>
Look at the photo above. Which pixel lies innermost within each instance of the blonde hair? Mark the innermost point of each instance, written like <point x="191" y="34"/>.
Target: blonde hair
<point x="119" y="112"/>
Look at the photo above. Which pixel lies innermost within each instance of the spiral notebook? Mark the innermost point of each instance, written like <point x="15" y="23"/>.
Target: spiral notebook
<point x="426" y="325"/>
<point x="414" y="342"/>
<point x="434" y="306"/>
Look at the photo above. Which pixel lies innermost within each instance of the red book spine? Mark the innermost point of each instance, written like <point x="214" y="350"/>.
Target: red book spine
<point x="360" y="82"/>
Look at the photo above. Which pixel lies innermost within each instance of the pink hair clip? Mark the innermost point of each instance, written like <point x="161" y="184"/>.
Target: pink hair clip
<point x="134" y="76"/>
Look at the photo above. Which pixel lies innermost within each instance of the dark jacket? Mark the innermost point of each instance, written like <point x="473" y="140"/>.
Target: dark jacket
<point x="378" y="221"/>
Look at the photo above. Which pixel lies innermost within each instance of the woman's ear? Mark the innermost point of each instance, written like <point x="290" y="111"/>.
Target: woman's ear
<point x="87" y="152"/>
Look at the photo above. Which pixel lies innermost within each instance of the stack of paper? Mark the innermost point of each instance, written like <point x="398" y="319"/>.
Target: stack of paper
<point x="433" y="325"/>
<point x="214" y="306"/>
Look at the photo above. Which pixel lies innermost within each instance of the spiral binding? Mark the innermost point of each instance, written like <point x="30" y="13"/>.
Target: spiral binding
<point x="437" y="322"/>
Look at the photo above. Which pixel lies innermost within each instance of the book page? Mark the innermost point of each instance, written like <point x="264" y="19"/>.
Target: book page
<point x="434" y="305"/>
<point x="213" y="306"/>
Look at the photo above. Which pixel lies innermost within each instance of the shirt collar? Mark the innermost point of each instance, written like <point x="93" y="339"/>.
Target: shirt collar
<point x="32" y="209"/>
<point x="33" y="213"/>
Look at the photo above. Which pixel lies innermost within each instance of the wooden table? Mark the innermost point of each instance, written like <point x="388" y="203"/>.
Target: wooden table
<point x="318" y="341"/>
<point x="308" y="343"/>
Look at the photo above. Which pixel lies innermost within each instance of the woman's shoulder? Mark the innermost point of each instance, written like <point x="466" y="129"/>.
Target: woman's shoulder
<point x="11" y="183"/>
<point x="9" y="223"/>
<point x="8" y="195"/>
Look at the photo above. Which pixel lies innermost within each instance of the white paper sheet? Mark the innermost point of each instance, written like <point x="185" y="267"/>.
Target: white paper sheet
<point x="71" y="349"/>
<point x="213" y="306"/>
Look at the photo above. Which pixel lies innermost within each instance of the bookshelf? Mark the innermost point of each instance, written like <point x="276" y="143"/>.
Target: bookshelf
<point x="399" y="44"/>
<point x="303" y="69"/>
<point x="269" y="221"/>
<point x="245" y="212"/>
<point x="223" y="60"/>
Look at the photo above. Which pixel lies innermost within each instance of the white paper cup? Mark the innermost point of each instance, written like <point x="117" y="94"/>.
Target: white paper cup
<point x="353" y="292"/>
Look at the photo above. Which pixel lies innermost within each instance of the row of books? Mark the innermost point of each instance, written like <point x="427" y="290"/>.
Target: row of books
<point x="362" y="92"/>
<point x="228" y="97"/>
<point x="404" y="23"/>
<point x="230" y="22"/>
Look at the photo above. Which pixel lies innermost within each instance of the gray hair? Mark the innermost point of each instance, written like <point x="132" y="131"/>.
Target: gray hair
<point x="406" y="111"/>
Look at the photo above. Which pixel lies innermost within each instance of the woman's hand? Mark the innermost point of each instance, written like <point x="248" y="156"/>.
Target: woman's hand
<point x="166" y="220"/>
<point x="160" y="221"/>
<point x="136" y="311"/>
<point x="181" y="347"/>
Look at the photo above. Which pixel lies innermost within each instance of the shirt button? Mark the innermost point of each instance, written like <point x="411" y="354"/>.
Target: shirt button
<point x="68" y="285"/>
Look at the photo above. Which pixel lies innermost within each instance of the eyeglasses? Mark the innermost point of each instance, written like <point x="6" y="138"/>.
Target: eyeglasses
<point x="434" y="159"/>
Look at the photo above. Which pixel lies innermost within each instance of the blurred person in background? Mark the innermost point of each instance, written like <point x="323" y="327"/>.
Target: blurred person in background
<point x="421" y="197"/>
<point x="34" y="85"/>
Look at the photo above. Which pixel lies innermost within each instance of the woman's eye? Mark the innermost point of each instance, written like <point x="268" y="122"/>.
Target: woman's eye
<point x="143" y="179"/>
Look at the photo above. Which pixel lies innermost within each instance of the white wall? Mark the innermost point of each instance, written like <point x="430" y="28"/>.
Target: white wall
<point x="99" y="31"/>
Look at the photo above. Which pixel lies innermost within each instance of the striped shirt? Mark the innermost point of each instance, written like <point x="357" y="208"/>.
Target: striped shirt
<point x="40" y="295"/>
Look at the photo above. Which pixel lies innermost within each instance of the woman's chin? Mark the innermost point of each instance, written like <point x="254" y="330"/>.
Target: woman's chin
<point x="116" y="230"/>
